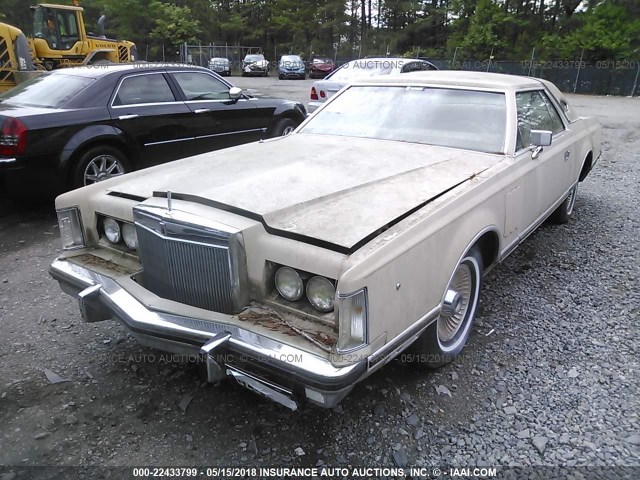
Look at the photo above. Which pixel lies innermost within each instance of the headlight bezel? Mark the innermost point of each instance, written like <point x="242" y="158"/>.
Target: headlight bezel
<point x="70" y="220"/>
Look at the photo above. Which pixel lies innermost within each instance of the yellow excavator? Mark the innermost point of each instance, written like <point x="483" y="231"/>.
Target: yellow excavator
<point x="59" y="40"/>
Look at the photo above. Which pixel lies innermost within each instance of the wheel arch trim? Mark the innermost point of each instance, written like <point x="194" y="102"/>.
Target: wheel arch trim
<point x="90" y="136"/>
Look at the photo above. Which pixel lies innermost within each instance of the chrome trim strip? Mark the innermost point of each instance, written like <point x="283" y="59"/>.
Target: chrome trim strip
<point x="169" y="141"/>
<point x="8" y="160"/>
<point x="146" y="104"/>
<point x="391" y="349"/>
<point x="232" y="133"/>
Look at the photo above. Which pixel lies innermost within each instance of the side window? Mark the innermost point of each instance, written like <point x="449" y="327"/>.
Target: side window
<point x="535" y="112"/>
<point x="68" y="29"/>
<point x="151" y="88"/>
<point x="201" y="86"/>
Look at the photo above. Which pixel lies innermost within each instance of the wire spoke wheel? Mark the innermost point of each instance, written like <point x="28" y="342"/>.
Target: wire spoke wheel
<point x="449" y="323"/>
<point x="571" y="199"/>
<point x="102" y="167"/>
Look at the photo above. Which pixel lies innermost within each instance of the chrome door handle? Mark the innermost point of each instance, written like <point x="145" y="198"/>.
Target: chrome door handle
<point x="202" y="110"/>
<point x="567" y="154"/>
<point x="127" y="117"/>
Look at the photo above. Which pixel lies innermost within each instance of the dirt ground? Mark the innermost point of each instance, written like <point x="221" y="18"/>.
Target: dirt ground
<point x="123" y="404"/>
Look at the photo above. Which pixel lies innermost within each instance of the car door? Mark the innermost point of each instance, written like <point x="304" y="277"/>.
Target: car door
<point x="219" y="121"/>
<point x="145" y="109"/>
<point x="552" y="165"/>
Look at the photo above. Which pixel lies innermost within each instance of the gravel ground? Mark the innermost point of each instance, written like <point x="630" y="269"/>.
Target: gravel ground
<point x="549" y="377"/>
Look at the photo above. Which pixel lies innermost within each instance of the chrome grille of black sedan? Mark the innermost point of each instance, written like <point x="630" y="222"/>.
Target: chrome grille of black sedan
<point x="191" y="264"/>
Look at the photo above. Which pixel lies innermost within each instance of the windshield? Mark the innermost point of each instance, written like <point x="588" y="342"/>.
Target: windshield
<point x="253" y="58"/>
<point x="466" y="119"/>
<point x="365" y="68"/>
<point x="46" y="90"/>
<point x="317" y="61"/>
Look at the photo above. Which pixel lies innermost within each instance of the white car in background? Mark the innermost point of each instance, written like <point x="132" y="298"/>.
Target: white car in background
<point x="323" y="89"/>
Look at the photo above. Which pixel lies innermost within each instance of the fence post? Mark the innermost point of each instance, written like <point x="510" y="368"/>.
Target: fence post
<point x="533" y="53"/>
<point x="575" y="84"/>
<point x="635" y="82"/>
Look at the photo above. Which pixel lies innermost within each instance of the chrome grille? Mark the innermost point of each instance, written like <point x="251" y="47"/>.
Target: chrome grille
<point x="190" y="263"/>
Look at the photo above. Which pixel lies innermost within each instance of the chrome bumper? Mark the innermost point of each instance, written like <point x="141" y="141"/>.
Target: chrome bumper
<point x="279" y="371"/>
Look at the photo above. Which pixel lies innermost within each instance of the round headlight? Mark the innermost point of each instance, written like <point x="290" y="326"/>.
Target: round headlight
<point x="321" y="293"/>
<point x="130" y="236"/>
<point x="112" y="230"/>
<point x="289" y="284"/>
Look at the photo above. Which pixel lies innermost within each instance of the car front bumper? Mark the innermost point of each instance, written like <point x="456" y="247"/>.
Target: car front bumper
<point x="276" y="370"/>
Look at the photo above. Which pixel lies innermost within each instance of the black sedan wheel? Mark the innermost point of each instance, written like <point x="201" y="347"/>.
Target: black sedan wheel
<point x="284" y="127"/>
<point x="98" y="164"/>
<point x="446" y="337"/>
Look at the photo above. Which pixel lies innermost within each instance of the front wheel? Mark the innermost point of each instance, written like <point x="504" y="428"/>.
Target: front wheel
<point x="98" y="164"/>
<point x="284" y="127"/>
<point x="563" y="213"/>
<point x="446" y="337"/>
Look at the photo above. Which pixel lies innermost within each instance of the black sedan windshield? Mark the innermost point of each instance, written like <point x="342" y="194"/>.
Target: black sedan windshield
<point x="46" y="90"/>
<point x="471" y="120"/>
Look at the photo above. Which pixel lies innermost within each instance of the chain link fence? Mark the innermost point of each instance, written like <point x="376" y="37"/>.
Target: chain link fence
<point x="607" y="77"/>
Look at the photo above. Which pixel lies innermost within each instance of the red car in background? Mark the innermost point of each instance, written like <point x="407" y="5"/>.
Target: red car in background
<point x="320" y="67"/>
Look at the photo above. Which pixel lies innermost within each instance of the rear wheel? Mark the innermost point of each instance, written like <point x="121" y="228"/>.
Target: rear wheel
<point x="98" y="164"/>
<point x="446" y="337"/>
<point x="563" y="213"/>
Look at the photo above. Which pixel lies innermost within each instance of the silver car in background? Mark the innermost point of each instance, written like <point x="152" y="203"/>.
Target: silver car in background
<point x="323" y="89"/>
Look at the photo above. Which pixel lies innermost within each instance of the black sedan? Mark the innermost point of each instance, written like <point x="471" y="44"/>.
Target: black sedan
<point x="78" y="126"/>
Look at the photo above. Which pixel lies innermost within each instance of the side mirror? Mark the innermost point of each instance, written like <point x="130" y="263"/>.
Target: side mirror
<point x="235" y="93"/>
<point x="539" y="139"/>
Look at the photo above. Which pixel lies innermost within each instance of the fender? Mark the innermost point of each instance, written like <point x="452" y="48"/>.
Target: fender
<point x="94" y="134"/>
<point x="287" y="110"/>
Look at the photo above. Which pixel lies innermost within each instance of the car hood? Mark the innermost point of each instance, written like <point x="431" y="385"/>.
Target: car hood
<point x="338" y="191"/>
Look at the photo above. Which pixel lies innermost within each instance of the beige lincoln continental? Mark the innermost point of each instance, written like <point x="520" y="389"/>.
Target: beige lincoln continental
<point x="298" y="266"/>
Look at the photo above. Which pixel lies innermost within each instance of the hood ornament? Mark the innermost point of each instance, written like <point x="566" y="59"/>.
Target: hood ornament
<point x="169" y="200"/>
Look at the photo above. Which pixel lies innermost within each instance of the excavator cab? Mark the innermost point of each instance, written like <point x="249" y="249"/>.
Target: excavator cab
<point x="60" y="27"/>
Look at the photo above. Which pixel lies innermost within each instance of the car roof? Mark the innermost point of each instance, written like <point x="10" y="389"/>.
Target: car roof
<point x="96" y="71"/>
<point x="460" y="78"/>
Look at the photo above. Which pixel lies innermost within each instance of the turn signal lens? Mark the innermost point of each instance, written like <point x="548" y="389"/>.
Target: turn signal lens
<point x="352" y="330"/>
<point x="314" y="93"/>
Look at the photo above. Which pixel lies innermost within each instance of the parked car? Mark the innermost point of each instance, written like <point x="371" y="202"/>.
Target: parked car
<point x="320" y="67"/>
<point x="220" y="65"/>
<point x="291" y="66"/>
<point x="73" y="127"/>
<point x="301" y="275"/>
<point x="322" y="90"/>
<point x="255" y="64"/>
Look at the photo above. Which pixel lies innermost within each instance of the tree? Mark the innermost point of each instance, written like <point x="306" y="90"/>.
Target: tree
<point x="176" y="24"/>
